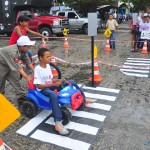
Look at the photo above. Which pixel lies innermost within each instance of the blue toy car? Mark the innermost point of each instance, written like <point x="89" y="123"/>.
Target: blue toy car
<point x="68" y="96"/>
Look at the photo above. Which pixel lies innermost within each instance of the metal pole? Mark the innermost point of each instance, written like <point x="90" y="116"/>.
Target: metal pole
<point x="92" y="59"/>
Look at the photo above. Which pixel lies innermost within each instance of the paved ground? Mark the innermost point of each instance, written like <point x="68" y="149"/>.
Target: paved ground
<point x="127" y="125"/>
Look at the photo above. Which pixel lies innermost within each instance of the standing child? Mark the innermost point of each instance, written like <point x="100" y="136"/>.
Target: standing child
<point x="113" y="26"/>
<point x="22" y="29"/>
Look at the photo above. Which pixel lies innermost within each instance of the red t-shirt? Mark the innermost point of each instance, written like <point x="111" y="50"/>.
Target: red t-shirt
<point x="14" y="36"/>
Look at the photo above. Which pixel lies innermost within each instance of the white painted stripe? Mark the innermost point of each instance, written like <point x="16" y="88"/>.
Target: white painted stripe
<point x="133" y="74"/>
<point x="99" y="106"/>
<point x="88" y="115"/>
<point x="101" y="89"/>
<point x="137" y="64"/>
<point x="131" y="70"/>
<point x="100" y="96"/>
<point x="77" y="126"/>
<point x="138" y="59"/>
<point x="79" y="85"/>
<point x="62" y="141"/>
<point x="135" y="67"/>
<point x="33" y="123"/>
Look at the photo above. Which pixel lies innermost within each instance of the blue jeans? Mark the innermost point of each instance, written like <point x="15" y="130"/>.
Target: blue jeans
<point x="29" y="53"/>
<point x="49" y="92"/>
<point x="112" y="39"/>
<point x="148" y="45"/>
<point x="53" y="97"/>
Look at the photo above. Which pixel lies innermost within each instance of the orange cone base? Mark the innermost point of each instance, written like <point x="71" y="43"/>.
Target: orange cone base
<point x="95" y="83"/>
<point x="107" y="49"/>
<point x="96" y="79"/>
<point x="66" y="46"/>
<point x="144" y="52"/>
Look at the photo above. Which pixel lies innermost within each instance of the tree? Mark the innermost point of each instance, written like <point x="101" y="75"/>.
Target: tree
<point x="85" y="6"/>
<point x="138" y="4"/>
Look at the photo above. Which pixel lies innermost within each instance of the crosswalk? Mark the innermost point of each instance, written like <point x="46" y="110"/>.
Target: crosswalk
<point x="83" y="127"/>
<point x="139" y="67"/>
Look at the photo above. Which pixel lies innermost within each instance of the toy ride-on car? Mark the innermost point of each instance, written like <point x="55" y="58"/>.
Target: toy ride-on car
<point x="68" y="96"/>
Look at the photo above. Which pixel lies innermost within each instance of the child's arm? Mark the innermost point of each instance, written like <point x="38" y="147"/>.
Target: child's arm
<point x="36" y="33"/>
<point x="43" y="86"/>
<point x="28" y="78"/>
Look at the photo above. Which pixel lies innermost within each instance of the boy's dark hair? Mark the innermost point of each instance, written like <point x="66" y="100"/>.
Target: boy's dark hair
<point x="41" y="52"/>
<point x="110" y="14"/>
<point x="23" y="18"/>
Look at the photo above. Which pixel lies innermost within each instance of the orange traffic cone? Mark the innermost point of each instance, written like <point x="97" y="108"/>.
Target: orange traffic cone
<point x="97" y="77"/>
<point x="107" y="47"/>
<point x="66" y="45"/>
<point x="144" y="49"/>
<point x="53" y="61"/>
<point x="2" y="147"/>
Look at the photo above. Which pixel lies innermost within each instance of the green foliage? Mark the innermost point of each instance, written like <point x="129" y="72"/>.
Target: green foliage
<point x="85" y="6"/>
<point x="138" y="4"/>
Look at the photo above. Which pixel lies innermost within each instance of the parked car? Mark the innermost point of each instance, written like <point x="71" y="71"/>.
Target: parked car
<point x="76" y="22"/>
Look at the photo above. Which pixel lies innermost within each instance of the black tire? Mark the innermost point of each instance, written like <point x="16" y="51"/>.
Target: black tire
<point x="85" y="29"/>
<point x="46" y="31"/>
<point x="29" y="109"/>
<point x="82" y="106"/>
<point x="57" y="69"/>
<point x="66" y="115"/>
<point x="21" y="100"/>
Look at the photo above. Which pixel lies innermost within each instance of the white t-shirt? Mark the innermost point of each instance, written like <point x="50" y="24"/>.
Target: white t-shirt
<point x="42" y="75"/>
<point x="147" y="26"/>
<point x="111" y="24"/>
<point x="143" y="27"/>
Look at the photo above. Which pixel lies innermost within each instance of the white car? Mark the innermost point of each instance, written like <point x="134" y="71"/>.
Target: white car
<point x="76" y="22"/>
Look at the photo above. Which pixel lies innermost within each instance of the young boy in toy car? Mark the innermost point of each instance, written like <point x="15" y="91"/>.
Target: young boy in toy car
<point x="46" y="84"/>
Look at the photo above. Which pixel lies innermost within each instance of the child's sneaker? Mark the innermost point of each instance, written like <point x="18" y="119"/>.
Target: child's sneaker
<point x="89" y="101"/>
<point x="61" y="129"/>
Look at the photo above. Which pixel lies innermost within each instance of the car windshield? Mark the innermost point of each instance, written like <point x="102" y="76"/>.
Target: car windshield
<point x="41" y="12"/>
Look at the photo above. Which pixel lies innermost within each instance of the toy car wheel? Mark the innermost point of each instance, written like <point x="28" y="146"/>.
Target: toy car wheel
<point x="29" y="109"/>
<point x="82" y="106"/>
<point x="66" y="115"/>
<point x="21" y="100"/>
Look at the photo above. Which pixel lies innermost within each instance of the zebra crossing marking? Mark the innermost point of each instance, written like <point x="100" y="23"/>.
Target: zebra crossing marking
<point x="138" y="67"/>
<point x="83" y="127"/>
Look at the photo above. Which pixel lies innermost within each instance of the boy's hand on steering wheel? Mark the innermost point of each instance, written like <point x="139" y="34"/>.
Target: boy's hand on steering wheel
<point x="58" y="83"/>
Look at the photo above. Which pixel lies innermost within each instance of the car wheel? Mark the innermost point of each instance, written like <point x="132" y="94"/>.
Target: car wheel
<point x="46" y="31"/>
<point x="85" y="29"/>
<point x="29" y="108"/>
<point x="66" y="115"/>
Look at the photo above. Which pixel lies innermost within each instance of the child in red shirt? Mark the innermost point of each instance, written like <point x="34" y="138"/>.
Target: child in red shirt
<point x="22" y="29"/>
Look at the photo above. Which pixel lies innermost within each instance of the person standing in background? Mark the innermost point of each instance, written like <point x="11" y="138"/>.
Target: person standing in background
<point x="113" y="26"/>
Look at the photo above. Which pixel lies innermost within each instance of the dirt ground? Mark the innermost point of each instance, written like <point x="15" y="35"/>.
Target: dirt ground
<point x="128" y="125"/>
